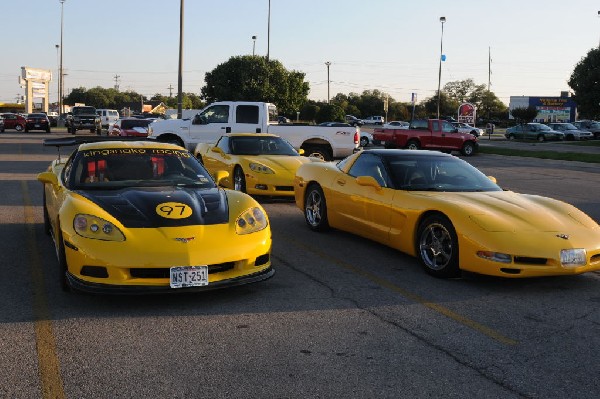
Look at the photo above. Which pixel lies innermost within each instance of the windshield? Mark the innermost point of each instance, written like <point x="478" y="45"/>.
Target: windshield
<point x="435" y="173"/>
<point x="131" y="123"/>
<point x="129" y="167"/>
<point x="543" y="127"/>
<point x="257" y="145"/>
<point x="569" y="126"/>
<point x="84" y="110"/>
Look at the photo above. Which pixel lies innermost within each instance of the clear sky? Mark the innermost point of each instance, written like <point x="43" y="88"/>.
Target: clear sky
<point x="389" y="45"/>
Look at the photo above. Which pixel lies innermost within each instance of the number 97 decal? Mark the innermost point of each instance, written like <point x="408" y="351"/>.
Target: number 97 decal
<point x="173" y="210"/>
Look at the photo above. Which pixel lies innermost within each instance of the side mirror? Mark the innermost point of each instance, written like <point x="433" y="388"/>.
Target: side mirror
<point x="493" y="179"/>
<point x="218" y="150"/>
<point x="368" y="181"/>
<point x="220" y="175"/>
<point x="48" y="177"/>
<point x="198" y="120"/>
<point x="301" y="151"/>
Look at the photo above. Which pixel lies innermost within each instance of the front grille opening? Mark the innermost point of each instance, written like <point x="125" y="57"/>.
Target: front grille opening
<point x="164" y="272"/>
<point x="525" y="260"/>
<point x="262" y="260"/>
<point x="94" y="271"/>
<point x="595" y="258"/>
<point x="510" y="271"/>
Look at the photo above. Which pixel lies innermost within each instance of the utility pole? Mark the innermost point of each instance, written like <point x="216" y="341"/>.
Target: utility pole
<point x="268" y="31"/>
<point x="117" y="82"/>
<point x="328" y="64"/>
<point x="179" y="77"/>
<point x="170" y="88"/>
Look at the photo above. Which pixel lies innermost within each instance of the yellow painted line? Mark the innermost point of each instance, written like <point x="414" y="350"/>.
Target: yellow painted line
<point x="48" y="364"/>
<point x="412" y="296"/>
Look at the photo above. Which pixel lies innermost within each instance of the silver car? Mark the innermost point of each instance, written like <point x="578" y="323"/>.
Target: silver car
<point x="571" y="131"/>
<point x="466" y="128"/>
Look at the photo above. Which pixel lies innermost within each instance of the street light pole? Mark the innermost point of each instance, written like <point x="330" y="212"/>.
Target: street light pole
<point x="60" y="72"/>
<point x="328" y="64"/>
<point x="442" y="20"/>
<point x="253" y="45"/>
<point x="268" y="31"/>
<point x="599" y="40"/>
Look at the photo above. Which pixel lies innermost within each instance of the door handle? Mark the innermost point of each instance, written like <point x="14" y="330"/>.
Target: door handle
<point x="227" y="129"/>
<point x="341" y="182"/>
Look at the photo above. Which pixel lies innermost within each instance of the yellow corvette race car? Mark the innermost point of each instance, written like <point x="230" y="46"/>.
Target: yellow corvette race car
<point x="140" y="216"/>
<point x="448" y="214"/>
<point x="258" y="163"/>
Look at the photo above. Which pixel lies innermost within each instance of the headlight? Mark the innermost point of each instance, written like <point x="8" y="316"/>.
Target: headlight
<point x="251" y="221"/>
<point x="573" y="257"/>
<point x="259" y="168"/>
<point x="89" y="226"/>
<point x="150" y="131"/>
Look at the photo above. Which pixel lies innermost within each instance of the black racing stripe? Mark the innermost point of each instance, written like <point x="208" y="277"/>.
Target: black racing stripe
<point x="136" y="207"/>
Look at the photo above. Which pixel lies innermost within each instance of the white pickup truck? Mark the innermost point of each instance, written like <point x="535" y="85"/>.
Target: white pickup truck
<point x="255" y="117"/>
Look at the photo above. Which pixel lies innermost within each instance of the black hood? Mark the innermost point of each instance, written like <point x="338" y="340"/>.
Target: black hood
<point x="137" y="207"/>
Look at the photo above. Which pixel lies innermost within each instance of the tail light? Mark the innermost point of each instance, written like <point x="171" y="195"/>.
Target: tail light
<point x="356" y="137"/>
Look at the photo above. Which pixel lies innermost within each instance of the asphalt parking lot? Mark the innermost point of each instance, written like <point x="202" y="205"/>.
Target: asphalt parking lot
<point x="343" y="317"/>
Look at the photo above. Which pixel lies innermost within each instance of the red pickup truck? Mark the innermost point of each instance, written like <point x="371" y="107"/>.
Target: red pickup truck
<point x="431" y="134"/>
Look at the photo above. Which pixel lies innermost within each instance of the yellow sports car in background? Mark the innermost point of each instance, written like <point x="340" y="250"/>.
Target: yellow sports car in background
<point x="258" y="163"/>
<point x="141" y="216"/>
<point x="448" y="214"/>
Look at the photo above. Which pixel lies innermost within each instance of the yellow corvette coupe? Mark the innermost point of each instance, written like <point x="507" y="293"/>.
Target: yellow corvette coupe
<point x="258" y="163"/>
<point x="448" y="214"/>
<point x="139" y="217"/>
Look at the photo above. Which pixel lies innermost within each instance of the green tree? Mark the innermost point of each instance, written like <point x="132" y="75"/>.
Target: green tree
<point x="524" y="114"/>
<point x="330" y="113"/>
<point x="253" y="78"/>
<point x="585" y="82"/>
<point x="309" y="111"/>
<point x="459" y="90"/>
<point x="448" y="106"/>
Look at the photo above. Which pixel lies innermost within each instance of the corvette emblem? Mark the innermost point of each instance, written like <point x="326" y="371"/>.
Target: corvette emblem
<point x="184" y="240"/>
<point x="563" y="236"/>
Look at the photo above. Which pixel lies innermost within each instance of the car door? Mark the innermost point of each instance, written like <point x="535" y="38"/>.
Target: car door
<point x="210" y="124"/>
<point x="361" y="209"/>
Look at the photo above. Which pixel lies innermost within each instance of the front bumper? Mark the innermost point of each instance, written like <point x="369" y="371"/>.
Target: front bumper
<point x="97" y="288"/>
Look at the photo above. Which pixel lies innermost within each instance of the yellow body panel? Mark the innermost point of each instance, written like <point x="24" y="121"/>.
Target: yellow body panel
<point x="157" y="247"/>
<point x="524" y="226"/>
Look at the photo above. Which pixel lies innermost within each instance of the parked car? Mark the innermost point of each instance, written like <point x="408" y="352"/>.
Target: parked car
<point x="14" y="121"/>
<point x="466" y="128"/>
<point x="571" y="131"/>
<point x="130" y="127"/>
<point x="396" y="125"/>
<point x="533" y="131"/>
<point x="353" y="120"/>
<point x="1" y="124"/>
<point x="257" y="163"/>
<point x="83" y="117"/>
<point x="374" y="120"/>
<point x="366" y="138"/>
<point x="37" y="121"/>
<point x="447" y="214"/>
<point x="53" y="117"/>
<point x="107" y="117"/>
<point x="590" y="126"/>
<point x="147" y="217"/>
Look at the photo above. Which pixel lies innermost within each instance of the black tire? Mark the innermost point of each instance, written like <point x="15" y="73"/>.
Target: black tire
<point x="48" y="130"/>
<point x="468" y="148"/>
<point x="437" y="247"/>
<point x="319" y="152"/>
<point x="315" y="208"/>
<point x="26" y="130"/>
<point x="541" y="138"/>
<point x="62" y="262"/>
<point x="511" y="136"/>
<point x="99" y="131"/>
<point x="72" y="130"/>
<point x="364" y="141"/>
<point x="570" y="137"/>
<point x="413" y="145"/>
<point x="93" y="130"/>
<point x="239" y="180"/>
<point x="18" y="128"/>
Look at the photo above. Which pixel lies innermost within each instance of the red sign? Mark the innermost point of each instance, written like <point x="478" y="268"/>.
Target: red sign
<point x="466" y="113"/>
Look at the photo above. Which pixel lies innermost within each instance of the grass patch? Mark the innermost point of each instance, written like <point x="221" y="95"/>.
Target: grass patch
<point x="561" y="156"/>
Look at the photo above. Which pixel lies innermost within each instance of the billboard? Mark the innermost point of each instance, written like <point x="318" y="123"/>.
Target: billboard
<point x="467" y="113"/>
<point x="550" y="109"/>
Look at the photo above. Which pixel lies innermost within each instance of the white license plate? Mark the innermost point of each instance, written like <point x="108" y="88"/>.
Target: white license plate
<point x="382" y="142"/>
<point x="188" y="276"/>
<point x="37" y="125"/>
